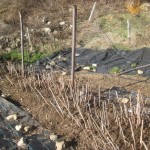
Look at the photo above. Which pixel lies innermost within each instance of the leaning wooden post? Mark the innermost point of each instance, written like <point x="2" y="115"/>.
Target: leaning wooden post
<point x="92" y="11"/>
<point x="73" y="44"/>
<point x="22" y="43"/>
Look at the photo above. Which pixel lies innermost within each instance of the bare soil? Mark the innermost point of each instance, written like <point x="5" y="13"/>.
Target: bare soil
<point x="50" y="119"/>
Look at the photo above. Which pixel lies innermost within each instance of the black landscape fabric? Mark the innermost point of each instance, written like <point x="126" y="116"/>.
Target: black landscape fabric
<point x="106" y="61"/>
<point x="9" y="137"/>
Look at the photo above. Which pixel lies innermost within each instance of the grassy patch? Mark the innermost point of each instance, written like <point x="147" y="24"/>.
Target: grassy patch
<point x="115" y="70"/>
<point x="29" y="58"/>
<point x="113" y="31"/>
<point x="134" y="65"/>
<point x="119" y="23"/>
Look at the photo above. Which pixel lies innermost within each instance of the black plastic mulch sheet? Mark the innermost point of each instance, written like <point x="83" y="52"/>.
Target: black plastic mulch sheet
<point x="9" y="137"/>
<point x="105" y="60"/>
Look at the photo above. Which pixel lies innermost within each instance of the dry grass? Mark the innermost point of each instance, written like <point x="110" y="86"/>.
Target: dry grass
<point x="88" y="34"/>
<point x="37" y="8"/>
<point x="101" y="122"/>
<point x="133" y="8"/>
<point x="34" y="9"/>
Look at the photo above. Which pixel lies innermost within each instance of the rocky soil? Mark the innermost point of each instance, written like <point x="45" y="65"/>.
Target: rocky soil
<point x="72" y="115"/>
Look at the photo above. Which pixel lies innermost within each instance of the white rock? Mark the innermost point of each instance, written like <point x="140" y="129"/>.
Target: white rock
<point x="60" y="145"/>
<point x="94" y="70"/>
<point x="46" y="30"/>
<point x="59" y="56"/>
<point x="18" y="127"/>
<point x="48" y="66"/>
<point x="11" y="117"/>
<point x="53" y="137"/>
<point x="77" y="54"/>
<point x="27" y="128"/>
<point x="95" y="65"/>
<point x="70" y="27"/>
<point x="70" y="9"/>
<point x="3" y="95"/>
<point x="48" y="22"/>
<point x="26" y="35"/>
<point x="64" y="73"/>
<point x="21" y="143"/>
<point x="124" y="100"/>
<point x="86" y="68"/>
<point x="130" y="110"/>
<point x="62" y="23"/>
<point x="140" y="72"/>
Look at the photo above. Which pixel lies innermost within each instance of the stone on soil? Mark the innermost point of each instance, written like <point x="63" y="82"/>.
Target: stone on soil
<point x="60" y="145"/>
<point x="53" y="137"/>
<point x="18" y="127"/>
<point x="124" y="100"/>
<point x="21" y="143"/>
<point x="11" y="117"/>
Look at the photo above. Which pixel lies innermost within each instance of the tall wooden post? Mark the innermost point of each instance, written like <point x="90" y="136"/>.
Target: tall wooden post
<point x="128" y="29"/>
<point x="22" y="43"/>
<point x="74" y="22"/>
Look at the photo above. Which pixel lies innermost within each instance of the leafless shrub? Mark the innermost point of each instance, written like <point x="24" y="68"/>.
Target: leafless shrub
<point x="104" y="125"/>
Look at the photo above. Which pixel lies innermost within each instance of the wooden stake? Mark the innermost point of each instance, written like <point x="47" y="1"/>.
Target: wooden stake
<point x="140" y="67"/>
<point x="128" y="29"/>
<point x="73" y="44"/>
<point x="22" y="43"/>
<point x="92" y="11"/>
